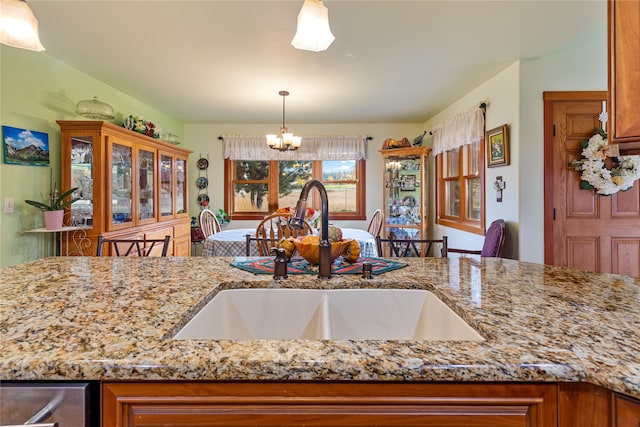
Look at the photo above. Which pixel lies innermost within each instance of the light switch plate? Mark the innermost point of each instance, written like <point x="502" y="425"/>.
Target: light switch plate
<point x="8" y="205"/>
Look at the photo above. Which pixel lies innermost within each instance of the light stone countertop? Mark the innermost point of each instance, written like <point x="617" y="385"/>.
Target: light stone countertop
<point x="111" y="318"/>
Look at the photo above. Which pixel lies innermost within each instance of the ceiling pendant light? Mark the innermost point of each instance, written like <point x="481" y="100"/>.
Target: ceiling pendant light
<point x="286" y="140"/>
<point x="19" y="26"/>
<point x="313" y="31"/>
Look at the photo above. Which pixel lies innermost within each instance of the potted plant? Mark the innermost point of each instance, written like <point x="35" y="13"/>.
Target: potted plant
<point x="53" y="213"/>
<point x="221" y="216"/>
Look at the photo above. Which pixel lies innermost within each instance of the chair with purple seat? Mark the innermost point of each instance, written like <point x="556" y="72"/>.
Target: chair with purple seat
<point x="493" y="242"/>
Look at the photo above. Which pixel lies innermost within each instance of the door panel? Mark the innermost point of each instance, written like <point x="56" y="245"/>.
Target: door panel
<point x="585" y="231"/>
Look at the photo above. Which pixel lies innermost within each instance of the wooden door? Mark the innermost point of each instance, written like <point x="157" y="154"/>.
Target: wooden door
<point x="584" y="230"/>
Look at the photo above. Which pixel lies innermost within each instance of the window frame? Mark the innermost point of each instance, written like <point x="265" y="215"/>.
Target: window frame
<point x="272" y="183"/>
<point x="461" y="222"/>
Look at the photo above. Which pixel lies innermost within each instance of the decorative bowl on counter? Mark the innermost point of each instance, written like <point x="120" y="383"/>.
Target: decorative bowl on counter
<point x="309" y="248"/>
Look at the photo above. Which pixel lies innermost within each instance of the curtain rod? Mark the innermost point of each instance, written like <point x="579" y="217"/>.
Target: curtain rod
<point x="482" y="106"/>
<point x="368" y="138"/>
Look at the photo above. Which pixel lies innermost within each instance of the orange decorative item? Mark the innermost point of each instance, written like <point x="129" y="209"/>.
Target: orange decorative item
<point x="309" y="248"/>
<point x="352" y="252"/>
<point x="288" y="246"/>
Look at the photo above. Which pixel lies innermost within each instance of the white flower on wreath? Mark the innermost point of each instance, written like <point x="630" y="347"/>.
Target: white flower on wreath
<point x="595" y="175"/>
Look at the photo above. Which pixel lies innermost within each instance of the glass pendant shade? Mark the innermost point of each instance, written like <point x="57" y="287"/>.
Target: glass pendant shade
<point x="313" y="31"/>
<point x="95" y="109"/>
<point x="19" y="26"/>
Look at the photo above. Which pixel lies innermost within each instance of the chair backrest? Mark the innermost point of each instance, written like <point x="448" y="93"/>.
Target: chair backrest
<point x="134" y="247"/>
<point x="262" y="245"/>
<point x="274" y="227"/>
<point x="494" y="239"/>
<point x="375" y="223"/>
<point x="410" y="247"/>
<point x="208" y="223"/>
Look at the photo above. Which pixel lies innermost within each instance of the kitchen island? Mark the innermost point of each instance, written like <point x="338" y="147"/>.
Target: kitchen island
<point x="112" y="319"/>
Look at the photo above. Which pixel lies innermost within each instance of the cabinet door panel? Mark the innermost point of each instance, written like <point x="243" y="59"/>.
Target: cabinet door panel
<point x="120" y="184"/>
<point x="329" y="404"/>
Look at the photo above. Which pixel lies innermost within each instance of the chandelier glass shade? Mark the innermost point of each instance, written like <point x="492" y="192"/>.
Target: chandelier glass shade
<point x="19" y="26"/>
<point x="285" y="140"/>
<point x="313" y="32"/>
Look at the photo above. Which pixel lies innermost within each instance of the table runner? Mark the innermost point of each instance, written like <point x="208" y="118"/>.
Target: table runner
<point x="297" y="265"/>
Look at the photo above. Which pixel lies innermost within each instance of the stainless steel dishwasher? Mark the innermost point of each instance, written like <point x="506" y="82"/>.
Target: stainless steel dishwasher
<point x="45" y="404"/>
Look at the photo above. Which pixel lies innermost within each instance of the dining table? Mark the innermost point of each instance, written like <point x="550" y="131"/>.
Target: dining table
<point x="233" y="242"/>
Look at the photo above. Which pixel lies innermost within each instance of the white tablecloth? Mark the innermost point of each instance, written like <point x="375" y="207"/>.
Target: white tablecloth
<point x="232" y="242"/>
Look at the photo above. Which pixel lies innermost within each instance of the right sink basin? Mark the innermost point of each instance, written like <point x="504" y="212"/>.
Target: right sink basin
<point x="336" y="314"/>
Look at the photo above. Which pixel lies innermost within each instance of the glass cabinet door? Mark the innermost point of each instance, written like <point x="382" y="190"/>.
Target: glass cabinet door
<point x="82" y="177"/>
<point x="403" y="196"/>
<point x="146" y="168"/>
<point x="181" y="186"/>
<point x="166" y="189"/>
<point x="121" y="184"/>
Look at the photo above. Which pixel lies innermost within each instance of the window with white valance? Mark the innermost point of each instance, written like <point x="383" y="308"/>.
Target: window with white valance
<point x="259" y="179"/>
<point x="464" y="129"/>
<point x="241" y="147"/>
<point x="458" y="146"/>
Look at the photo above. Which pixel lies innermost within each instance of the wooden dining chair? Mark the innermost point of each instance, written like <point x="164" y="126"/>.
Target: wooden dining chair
<point x="261" y="244"/>
<point x="274" y="227"/>
<point x="410" y="247"/>
<point x="134" y="247"/>
<point x="208" y="223"/>
<point x="375" y="223"/>
<point x="493" y="242"/>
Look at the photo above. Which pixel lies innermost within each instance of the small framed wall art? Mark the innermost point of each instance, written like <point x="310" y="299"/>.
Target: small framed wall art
<point x="497" y="142"/>
<point x="25" y="147"/>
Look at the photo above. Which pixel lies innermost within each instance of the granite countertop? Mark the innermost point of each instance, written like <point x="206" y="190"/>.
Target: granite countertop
<point x="111" y="318"/>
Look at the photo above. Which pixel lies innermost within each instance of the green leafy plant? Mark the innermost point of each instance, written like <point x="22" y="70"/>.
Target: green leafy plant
<point x="221" y="216"/>
<point x="58" y="203"/>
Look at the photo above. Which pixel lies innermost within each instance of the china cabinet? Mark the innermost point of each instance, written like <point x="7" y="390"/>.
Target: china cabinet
<point x="130" y="185"/>
<point x="406" y="193"/>
<point x="624" y="74"/>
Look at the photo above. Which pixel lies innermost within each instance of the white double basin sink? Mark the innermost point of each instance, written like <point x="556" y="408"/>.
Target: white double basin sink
<point x="336" y="314"/>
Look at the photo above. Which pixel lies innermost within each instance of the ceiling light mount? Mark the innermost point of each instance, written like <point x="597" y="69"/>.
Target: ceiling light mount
<point x="286" y="140"/>
<point x="313" y="32"/>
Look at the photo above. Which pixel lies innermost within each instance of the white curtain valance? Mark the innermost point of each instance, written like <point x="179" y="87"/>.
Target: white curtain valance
<point x="463" y="129"/>
<point x="346" y="147"/>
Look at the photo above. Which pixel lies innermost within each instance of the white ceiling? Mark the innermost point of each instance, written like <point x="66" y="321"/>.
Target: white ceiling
<point x="392" y="61"/>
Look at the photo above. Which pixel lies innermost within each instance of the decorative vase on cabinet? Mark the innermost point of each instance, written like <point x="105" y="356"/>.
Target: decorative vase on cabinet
<point x="131" y="184"/>
<point x="406" y="194"/>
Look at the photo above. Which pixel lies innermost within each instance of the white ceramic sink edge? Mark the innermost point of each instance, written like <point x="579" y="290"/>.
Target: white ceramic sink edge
<point x="336" y="314"/>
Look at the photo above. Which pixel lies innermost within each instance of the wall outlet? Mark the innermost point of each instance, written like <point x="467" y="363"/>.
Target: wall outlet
<point x="8" y="205"/>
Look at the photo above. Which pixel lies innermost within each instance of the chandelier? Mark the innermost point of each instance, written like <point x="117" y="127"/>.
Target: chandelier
<point x="286" y="140"/>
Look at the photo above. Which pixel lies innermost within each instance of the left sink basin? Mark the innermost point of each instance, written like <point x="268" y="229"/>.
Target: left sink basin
<point x="314" y="314"/>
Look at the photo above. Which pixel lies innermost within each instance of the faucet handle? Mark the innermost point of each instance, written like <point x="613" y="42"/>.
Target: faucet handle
<point x="279" y="264"/>
<point x="367" y="269"/>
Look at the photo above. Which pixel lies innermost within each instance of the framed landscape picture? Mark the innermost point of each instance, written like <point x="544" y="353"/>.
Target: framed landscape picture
<point x="497" y="142"/>
<point x="25" y="147"/>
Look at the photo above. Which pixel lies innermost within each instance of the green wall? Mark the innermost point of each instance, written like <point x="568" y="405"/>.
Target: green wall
<point x="35" y="91"/>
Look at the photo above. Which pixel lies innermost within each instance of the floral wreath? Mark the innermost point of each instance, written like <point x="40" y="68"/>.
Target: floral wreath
<point x="595" y="174"/>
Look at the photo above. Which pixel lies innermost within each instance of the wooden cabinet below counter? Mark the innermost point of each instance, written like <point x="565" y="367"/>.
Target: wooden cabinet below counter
<point x="328" y="404"/>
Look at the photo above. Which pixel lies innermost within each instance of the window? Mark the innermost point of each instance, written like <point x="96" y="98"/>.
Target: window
<point x="257" y="187"/>
<point x="460" y="188"/>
